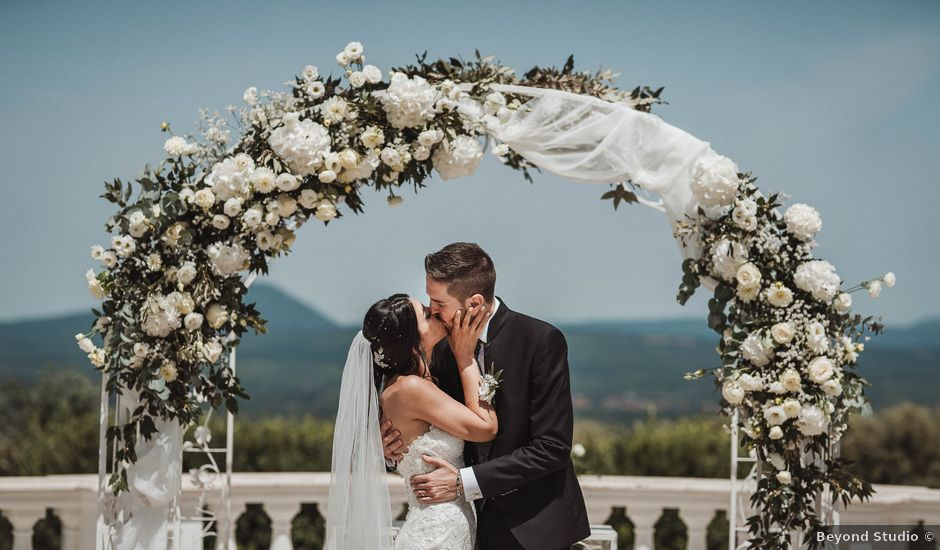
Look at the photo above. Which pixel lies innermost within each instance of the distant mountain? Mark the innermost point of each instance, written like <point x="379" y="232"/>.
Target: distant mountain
<point x="619" y="369"/>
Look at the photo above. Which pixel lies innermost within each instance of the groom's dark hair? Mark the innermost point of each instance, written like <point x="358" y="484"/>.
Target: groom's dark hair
<point x="466" y="269"/>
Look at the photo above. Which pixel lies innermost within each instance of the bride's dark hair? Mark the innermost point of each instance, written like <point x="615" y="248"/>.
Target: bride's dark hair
<point x="391" y="326"/>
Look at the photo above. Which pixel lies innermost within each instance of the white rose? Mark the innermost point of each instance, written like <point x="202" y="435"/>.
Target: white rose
<point x="832" y="387"/>
<point x="94" y="286"/>
<point x="327" y="176"/>
<point x="316" y="90"/>
<point x="342" y="59"/>
<point x="212" y="350"/>
<point x="251" y="95"/>
<point x="272" y="218"/>
<point x="252" y="217"/>
<point x="774" y="415"/>
<point x="232" y="207"/>
<point x="216" y="316"/>
<point x="287" y="182"/>
<point x="778" y="295"/>
<point x="286" y="205"/>
<point x="792" y="407"/>
<point x="791" y="380"/>
<point x="348" y="159"/>
<point x="109" y="259"/>
<point x="784" y="477"/>
<point x="357" y="79"/>
<point x="391" y="158"/>
<point x="757" y="349"/>
<point x="326" y="211"/>
<point x="204" y="198"/>
<point x="803" y="221"/>
<point x="372" y="73"/>
<point x="747" y="293"/>
<point x="192" y="321"/>
<point x="265" y="240"/>
<point x="782" y="333"/>
<point x="889" y="279"/>
<point x="748" y="275"/>
<point x="747" y="207"/>
<point x="176" y="146"/>
<point x="311" y="72"/>
<point x="775" y="433"/>
<point x="137" y="231"/>
<point x="309" y="199"/>
<point x="187" y="194"/>
<point x="220" y="221"/>
<point x="137" y="218"/>
<point x="820" y="369"/>
<point x="186" y="273"/>
<point x="843" y="303"/>
<point x="715" y="180"/>
<point x="732" y="392"/>
<point x="97" y="251"/>
<point x="812" y="421"/>
<point x="430" y="137"/>
<point x="874" y="289"/>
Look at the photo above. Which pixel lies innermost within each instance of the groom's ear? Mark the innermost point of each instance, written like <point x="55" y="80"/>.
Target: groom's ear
<point x="476" y="300"/>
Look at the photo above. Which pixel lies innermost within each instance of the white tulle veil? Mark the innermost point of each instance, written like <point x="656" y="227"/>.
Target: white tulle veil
<point x="359" y="512"/>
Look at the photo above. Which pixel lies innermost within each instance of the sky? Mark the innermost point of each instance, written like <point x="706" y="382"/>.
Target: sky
<point x="834" y="104"/>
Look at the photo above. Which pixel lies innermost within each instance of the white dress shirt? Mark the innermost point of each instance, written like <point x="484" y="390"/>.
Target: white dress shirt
<point x="471" y="489"/>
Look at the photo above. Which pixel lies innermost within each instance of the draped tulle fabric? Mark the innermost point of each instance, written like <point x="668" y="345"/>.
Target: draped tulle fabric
<point x="586" y="139"/>
<point x="359" y="510"/>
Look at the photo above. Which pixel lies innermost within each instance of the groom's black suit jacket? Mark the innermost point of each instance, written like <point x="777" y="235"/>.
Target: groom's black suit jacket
<point x="526" y="472"/>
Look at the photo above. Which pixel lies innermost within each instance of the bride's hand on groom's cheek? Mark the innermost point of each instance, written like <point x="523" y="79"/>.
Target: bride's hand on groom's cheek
<point x="391" y="440"/>
<point x="437" y="486"/>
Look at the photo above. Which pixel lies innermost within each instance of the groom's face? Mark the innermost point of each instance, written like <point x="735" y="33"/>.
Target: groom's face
<point x="444" y="306"/>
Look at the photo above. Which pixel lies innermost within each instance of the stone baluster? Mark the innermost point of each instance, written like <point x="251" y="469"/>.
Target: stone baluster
<point x="644" y="525"/>
<point x="598" y="513"/>
<point x="696" y="522"/>
<point x="23" y="520"/>
<point x="281" y="514"/>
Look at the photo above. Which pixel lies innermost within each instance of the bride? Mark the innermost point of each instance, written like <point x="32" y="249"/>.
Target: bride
<point x="388" y="372"/>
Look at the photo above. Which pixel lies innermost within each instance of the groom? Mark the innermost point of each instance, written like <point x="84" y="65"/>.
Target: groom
<point x="522" y="483"/>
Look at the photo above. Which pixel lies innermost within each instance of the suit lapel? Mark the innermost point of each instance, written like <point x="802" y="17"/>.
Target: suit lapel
<point x="496" y="324"/>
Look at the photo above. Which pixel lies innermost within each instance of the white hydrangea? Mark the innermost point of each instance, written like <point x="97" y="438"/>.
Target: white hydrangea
<point x="727" y="257"/>
<point x="803" y="221"/>
<point x="715" y="180"/>
<point x="812" y="421"/>
<point x="177" y="147"/>
<point x="758" y="349"/>
<point x="819" y="278"/>
<point x="159" y="316"/>
<point x="229" y="178"/>
<point x="228" y="258"/>
<point x="458" y="158"/>
<point x="301" y="143"/>
<point x="409" y="102"/>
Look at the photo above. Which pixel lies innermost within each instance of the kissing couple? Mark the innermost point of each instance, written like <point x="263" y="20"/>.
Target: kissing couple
<point x="485" y="454"/>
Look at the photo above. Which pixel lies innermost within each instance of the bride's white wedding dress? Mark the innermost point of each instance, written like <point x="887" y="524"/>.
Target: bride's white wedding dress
<point x="444" y="526"/>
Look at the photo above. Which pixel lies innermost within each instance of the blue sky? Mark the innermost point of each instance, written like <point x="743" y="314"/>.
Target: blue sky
<point x="833" y="103"/>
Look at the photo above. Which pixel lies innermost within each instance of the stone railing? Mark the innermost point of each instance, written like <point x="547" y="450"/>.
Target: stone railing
<point x="73" y="499"/>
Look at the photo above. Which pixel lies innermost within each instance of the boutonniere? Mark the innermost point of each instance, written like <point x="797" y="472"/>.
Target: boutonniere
<point x="489" y="384"/>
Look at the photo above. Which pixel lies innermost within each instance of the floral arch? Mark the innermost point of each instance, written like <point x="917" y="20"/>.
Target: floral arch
<point x="206" y="220"/>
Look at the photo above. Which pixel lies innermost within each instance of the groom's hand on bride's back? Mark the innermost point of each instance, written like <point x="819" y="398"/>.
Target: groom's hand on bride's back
<point x="391" y="439"/>
<point x="437" y="486"/>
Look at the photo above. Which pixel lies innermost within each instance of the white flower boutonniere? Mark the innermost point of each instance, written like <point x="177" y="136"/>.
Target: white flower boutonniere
<point x="489" y="384"/>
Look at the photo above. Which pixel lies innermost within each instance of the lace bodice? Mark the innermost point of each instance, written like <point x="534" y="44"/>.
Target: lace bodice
<point x="445" y="526"/>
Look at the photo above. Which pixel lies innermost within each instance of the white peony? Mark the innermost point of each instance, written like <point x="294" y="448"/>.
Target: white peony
<point x="782" y="333"/>
<point x="889" y="279"/>
<point x="326" y="211"/>
<point x="301" y="143"/>
<point x="727" y="257"/>
<point x="757" y="349"/>
<point x="216" y="315"/>
<point x="409" y="102"/>
<point x="748" y="275"/>
<point x="832" y="387"/>
<point x="819" y="278"/>
<point x="715" y="180"/>
<point x="458" y="158"/>
<point x="820" y="369"/>
<point x="372" y="73"/>
<point x="228" y="259"/>
<point x="192" y="321"/>
<point x="874" y="289"/>
<point x="732" y="392"/>
<point x="774" y="415"/>
<point x="816" y="338"/>
<point x="778" y="295"/>
<point x="812" y="421"/>
<point x="791" y="380"/>
<point x="159" y="316"/>
<point x="803" y="221"/>
<point x="843" y="303"/>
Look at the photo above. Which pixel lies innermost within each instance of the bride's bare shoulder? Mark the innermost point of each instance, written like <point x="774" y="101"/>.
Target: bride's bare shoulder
<point x="407" y="387"/>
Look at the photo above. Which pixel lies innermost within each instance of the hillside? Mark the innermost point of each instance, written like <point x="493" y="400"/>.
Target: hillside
<point x="619" y="370"/>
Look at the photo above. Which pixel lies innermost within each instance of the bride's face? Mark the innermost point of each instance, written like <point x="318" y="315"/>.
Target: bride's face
<point x="431" y="330"/>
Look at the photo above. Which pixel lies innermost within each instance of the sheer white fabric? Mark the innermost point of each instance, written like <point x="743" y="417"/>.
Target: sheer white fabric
<point x="153" y="482"/>
<point x="359" y="513"/>
<point x="589" y="140"/>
